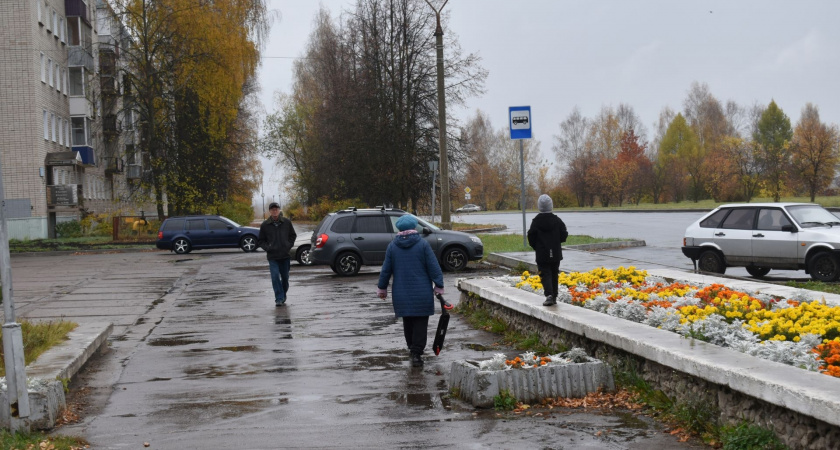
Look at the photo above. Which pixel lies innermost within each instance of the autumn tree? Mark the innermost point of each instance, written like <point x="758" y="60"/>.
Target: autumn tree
<point x="574" y="156"/>
<point x="683" y="154"/>
<point x="814" y="151"/>
<point x="363" y="111"/>
<point x="772" y="135"/>
<point x="659" y="171"/>
<point x="187" y="72"/>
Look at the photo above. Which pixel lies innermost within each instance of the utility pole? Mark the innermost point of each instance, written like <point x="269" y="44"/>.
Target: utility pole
<point x="16" y="391"/>
<point x="445" y="207"/>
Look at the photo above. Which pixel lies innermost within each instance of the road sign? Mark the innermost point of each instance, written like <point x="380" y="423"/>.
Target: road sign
<point x="467" y="190"/>
<point x="467" y="196"/>
<point x="519" y="118"/>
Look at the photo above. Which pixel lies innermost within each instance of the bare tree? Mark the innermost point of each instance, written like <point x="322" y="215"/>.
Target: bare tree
<point x="573" y="155"/>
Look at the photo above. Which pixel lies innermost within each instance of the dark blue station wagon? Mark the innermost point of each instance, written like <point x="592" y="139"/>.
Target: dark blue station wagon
<point x="183" y="234"/>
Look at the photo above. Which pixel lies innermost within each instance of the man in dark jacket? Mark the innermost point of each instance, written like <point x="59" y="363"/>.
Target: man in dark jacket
<point x="545" y="235"/>
<point x="277" y="236"/>
<point x="410" y="259"/>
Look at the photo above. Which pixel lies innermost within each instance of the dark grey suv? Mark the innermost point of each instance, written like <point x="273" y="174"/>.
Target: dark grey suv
<point x="353" y="237"/>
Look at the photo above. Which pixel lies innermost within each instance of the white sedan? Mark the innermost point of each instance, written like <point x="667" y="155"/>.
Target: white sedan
<point x="468" y="208"/>
<point x="300" y="251"/>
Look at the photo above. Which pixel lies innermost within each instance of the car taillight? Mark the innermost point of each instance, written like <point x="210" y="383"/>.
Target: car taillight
<point x="322" y="239"/>
<point x="683" y="242"/>
<point x="160" y="234"/>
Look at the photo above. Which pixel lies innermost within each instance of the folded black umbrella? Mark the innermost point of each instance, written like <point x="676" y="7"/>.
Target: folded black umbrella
<point x="442" y="324"/>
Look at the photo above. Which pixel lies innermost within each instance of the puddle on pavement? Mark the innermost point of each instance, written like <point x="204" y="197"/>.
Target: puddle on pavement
<point x="173" y="342"/>
<point x="425" y="400"/>
<point x="386" y="362"/>
<point x="214" y="372"/>
<point x="629" y="420"/>
<point x="193" y="413"/>
<point x="239" y="348"/>
<point x="160" y="379"/>
<point x="478" y="347"/>
<point x="254" y="268"/>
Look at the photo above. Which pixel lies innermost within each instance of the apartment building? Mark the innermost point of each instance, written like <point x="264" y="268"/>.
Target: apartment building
<point x="66" y="128"/>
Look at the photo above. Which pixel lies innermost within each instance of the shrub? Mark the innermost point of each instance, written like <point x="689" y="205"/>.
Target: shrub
<point x="505" y="401"/>
<point x="67" y="229"/>
<point x="326" y="206"/>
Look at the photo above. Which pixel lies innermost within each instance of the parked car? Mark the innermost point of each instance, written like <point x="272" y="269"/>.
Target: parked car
<point x="300" y="251"/>
<point x="183" y="234"/>
<point x="469" y="207"/>
<point x="765" y="236"/>
<point x="353" y="237"/>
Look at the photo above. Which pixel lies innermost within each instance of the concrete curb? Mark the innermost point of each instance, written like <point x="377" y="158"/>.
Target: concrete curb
<point x="808" y="393"/>
<point x="85" y="252"/>
<point x="62" y="362"/>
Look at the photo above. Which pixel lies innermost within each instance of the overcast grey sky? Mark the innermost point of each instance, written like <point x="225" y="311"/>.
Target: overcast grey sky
<point x="554" y="55"/>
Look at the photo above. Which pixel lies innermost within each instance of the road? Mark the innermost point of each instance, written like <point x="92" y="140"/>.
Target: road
<point x="202" y="359"/>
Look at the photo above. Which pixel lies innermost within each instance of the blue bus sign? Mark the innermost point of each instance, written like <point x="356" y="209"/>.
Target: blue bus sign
<point x="520" y="122"/>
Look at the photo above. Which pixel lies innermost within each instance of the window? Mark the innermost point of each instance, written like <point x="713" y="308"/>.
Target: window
<point x="195" y="224"/>
<point x="47" y="18"/>
<point x="67" y="131"/>
<point x="40" y="14"/>
<point x="342" y="225"/>
<point x="58" y="72"/>
<point x="173" y="225"/>
<point x="53" y="120"/>
<point x="66" y="76"/>
<point x="62" y="30"/>
<point x="79" y="130"/>
<point x="77" y="82"/>
<point x="374" y="224"/>
<point x="713" y="221"/>
<point x="46" y="125"/>
<point x="60" y="131"/>
<point x="740" y="219"/>
<point x="50" y="69"/>
<point x="217" y="225"/>
<point x="73" y="31"/>
<point x="55" y="23"/>
<point x="43" y="67"/>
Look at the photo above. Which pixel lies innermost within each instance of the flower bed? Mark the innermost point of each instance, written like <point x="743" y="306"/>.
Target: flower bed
<point x="799" y="331"/>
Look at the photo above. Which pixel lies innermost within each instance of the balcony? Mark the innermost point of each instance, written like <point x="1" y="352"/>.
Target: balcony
<point x="110" y="125"/>
<point x="113" y="165"/>
<point x="76" y="8"/>
<point x="87" y="154"/>
<point x="78" y="56"/>
<point x="134" y="171"/>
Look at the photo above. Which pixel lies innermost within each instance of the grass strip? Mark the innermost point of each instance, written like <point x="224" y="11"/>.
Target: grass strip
<point x="38" y="440"/>
<point x="39" y="337"/>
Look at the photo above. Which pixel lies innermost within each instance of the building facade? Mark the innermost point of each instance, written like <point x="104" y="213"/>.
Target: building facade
<point x="66" y="127"/>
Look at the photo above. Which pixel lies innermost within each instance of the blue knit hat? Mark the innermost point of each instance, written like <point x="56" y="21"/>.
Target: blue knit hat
<point x="406" y="222"/>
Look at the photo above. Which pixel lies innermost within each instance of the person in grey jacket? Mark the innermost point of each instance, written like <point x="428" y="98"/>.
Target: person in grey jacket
<point x="277" y="236"/>
<point x="545" y="235"/>
<point x="412" y="263"/>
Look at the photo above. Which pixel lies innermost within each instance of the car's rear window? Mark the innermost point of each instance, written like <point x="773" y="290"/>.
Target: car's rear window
<point x="173" y="225"/>
<point x="374" y="224"/>
<point x="195" y="224"/>
<point x="740" y="219"/>
<point x="342" y="225"/>
<point x="714" y="220"/>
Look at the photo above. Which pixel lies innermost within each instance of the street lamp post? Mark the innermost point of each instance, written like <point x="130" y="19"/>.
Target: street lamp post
<point x="444" y="160"/>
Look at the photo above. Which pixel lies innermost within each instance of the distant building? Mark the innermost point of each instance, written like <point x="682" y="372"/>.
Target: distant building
<point x="66" y="129"/>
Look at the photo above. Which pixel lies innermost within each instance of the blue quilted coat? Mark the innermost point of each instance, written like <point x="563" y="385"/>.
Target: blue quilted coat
<point x="412" y="262"/>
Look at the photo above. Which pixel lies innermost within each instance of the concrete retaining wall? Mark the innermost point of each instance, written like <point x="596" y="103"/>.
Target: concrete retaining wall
<point x="801" y="407"/>
<point x="527" y="385"/>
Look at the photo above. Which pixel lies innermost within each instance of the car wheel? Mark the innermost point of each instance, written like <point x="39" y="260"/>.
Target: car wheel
<point x="758" y="272"/>
<point x="181" y="246"/>
<point x="302" y="255"/>
<point x="711" y="261"/>
<point x="248" y="244"/>
<point x="347" y="264"/>
<point x="824" y="267"/>
<point x="454" y="259"/>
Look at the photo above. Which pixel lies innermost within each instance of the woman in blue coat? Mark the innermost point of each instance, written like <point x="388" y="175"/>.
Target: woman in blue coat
<point x="415" y="269"/>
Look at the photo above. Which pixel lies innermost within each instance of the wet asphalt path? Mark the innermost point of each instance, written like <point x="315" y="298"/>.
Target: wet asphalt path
<point x="204" y="360"/>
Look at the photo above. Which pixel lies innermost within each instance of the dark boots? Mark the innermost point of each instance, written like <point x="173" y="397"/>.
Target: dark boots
<point x="416" y="360"/>
<point x="550" y="300"/>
